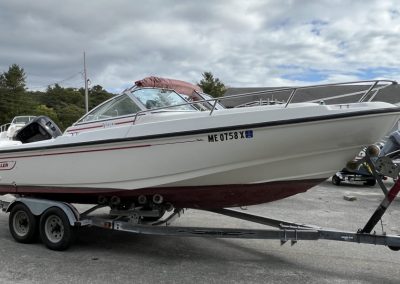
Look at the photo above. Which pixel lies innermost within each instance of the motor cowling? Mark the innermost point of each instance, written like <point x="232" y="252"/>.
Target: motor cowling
<point x="40" y="128"/>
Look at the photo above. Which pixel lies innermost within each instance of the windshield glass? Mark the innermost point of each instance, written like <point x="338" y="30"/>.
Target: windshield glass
<point x="120" y="106"/>
<point x="208" y="97"/>
<point x="158" y="98"/>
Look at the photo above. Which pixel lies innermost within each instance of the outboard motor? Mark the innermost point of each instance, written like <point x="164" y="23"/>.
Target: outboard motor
<point x="40" y="128"/>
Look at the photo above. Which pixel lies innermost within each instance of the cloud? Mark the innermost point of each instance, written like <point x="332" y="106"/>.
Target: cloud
<point x="244" y="43"/>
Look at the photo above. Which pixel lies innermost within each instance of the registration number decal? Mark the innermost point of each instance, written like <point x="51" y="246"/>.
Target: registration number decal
<point x="231" y="135"/>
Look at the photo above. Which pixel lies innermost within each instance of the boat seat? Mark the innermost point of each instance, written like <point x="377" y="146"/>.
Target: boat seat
<point x="150" y="104"/>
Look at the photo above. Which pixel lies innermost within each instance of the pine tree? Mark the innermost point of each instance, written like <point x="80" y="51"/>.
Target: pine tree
<point x="212" y="86"/>
<point x="13" y="79"/>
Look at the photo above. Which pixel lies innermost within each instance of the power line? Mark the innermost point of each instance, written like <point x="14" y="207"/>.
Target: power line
<point x="67" y="79"/>
<point x="59" y="82"/>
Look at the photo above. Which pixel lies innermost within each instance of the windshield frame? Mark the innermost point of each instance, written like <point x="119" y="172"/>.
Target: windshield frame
<point x="129" y="92"/>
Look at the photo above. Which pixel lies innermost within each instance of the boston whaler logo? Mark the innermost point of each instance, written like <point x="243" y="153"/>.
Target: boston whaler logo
<point x="7" y="165"/>
<point x="231" y="135"/>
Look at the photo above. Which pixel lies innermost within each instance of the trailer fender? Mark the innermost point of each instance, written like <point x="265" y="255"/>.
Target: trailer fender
<point x="38" y="206"/>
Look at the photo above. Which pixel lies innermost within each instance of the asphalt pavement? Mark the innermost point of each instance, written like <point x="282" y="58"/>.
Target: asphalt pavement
<point x="103" y="256"/>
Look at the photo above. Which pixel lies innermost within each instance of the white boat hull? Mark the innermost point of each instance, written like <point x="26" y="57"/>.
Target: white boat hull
<point x="266" y="159"/>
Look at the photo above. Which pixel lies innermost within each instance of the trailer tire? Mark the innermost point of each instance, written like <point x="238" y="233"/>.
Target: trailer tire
<point x="394" y="248"/>
<point x="23" y="224"/>
<point x="336" y="180"/>
<point x="55" y="230"/>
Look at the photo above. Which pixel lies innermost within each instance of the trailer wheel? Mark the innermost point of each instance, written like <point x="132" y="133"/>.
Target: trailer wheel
<point x="394" y="248"/>
<point x="55" y="231"/>
<point x="336" y="180"/>
<point x="22" y="224"/>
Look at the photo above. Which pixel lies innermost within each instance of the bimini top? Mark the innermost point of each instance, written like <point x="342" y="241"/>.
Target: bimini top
<point x="179" y="86"/>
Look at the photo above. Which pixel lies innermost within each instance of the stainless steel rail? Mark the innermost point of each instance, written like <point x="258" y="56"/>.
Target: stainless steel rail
<point x="376" y="86"/>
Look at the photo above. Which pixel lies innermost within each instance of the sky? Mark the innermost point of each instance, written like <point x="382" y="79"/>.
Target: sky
<point x="245" y="43"/>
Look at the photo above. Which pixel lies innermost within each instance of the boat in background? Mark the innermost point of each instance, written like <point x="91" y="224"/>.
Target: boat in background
<point x="159" y="144"/>
<point x="8" y="130"/>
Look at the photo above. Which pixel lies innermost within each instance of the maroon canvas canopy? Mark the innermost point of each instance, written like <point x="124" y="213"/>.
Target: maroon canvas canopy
<point x="179" y="86"/>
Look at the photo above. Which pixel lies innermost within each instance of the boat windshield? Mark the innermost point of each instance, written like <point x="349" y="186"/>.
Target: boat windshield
<point x="159" y="98"/>
<point x="119" y="106"/>
<point x="129" y="104"/>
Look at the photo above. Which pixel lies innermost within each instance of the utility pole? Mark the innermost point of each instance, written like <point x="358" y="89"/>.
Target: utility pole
<point x="86" y="83"/>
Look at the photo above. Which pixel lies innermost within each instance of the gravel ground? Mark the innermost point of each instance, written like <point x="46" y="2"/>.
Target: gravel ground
<point x="101" y="256"/>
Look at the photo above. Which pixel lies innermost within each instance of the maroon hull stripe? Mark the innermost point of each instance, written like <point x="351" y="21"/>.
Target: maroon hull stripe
<point x="75" y="152"/>
<point x="207" y="197"/>
<point x="98" y="126"/>
<point x="96" y="150"/>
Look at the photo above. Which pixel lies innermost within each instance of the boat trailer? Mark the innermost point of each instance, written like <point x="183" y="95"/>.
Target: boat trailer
<point x="57" y="222"/>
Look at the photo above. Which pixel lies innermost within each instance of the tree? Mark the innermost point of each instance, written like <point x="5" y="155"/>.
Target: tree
<point x="44" y="110"/>
<point x="69" y="114"/>
<point x="212" y="86"/>
<point x="13" y="79"/>
<point x="97" y="95"/>
<point x="63" y="105"/>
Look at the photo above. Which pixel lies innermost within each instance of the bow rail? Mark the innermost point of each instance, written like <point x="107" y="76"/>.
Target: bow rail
<point x="368" y="95"/>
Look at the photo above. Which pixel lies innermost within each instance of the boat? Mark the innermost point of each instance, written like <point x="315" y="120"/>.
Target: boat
<point x="7" y="131"/>
<point x="160" y="143"/>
